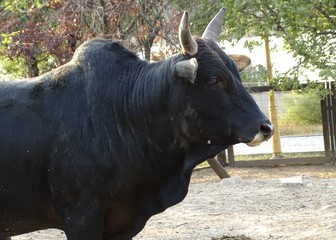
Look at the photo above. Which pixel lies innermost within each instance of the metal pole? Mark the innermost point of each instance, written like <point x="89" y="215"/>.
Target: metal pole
<point x="276" y="144"/>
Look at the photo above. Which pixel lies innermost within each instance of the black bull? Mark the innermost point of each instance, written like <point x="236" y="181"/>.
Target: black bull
<point x="100" y="144"/>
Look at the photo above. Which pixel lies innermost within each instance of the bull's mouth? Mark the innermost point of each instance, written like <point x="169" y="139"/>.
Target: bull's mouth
<point x="265" y="133"/>
<point x="257" y="140"/>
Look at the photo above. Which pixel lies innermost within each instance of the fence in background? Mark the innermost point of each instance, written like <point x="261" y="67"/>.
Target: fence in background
<point x="301" y="143"/>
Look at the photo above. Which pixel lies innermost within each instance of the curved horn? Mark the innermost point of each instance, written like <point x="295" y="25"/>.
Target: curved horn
<point x="214" y="26"/>
<point x="187" y="43"/>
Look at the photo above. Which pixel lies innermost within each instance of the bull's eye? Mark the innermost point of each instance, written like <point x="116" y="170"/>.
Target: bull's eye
<point x="216" y="81"/>
<point x="212" y="81"/>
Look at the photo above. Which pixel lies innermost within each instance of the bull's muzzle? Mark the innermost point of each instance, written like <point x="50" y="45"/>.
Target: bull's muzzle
<point x="265" y="132"/>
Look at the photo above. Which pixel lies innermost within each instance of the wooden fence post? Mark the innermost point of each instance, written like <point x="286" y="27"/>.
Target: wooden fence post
<point x="325" y="127"/>
<point x="218" y="168"/>
<point x="332" y="121"/>
<point x="231" y="156"/>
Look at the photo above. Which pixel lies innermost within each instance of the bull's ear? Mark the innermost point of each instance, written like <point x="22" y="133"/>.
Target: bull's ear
<point x="241" y="61"/>
<point x="186" y="69"/>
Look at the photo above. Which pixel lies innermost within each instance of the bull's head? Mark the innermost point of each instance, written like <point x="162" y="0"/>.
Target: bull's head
<point x="225" y="112"/>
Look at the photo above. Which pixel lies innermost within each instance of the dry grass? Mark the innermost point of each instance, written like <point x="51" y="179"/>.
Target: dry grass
<point x="287" y="130"/>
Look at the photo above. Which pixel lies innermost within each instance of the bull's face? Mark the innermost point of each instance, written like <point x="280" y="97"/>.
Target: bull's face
<point x="219" y="110"/>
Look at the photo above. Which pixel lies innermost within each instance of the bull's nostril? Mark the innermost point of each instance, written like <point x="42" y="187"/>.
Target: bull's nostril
<point x="267" y="130"/>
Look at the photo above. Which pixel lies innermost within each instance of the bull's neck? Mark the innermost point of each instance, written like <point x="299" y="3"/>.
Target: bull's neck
<point x="155" y="101"/>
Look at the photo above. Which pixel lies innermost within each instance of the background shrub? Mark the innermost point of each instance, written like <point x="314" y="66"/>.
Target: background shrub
<point x="301" y="109"/>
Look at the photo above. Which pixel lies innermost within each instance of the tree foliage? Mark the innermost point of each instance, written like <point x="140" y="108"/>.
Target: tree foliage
<point x="301" y="109"/>
<point x="27" y="34"/>
<point x="254" y="76"/>
<point x="308" y="28"/>
<point x="45" y="33"/>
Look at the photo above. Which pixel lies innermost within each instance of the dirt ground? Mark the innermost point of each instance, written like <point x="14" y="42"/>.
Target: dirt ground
<point x="254" y="204"/>
<point x="318" y="171"/>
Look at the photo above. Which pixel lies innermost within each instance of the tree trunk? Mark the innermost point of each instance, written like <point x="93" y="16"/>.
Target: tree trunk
<point x="149" y="42"/>
<point x="105" y="18"/>
<point x="33" y="70"/>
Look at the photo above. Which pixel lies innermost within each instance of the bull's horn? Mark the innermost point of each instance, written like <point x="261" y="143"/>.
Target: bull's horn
<point x="187" y="43"/>
<point x="213" y="28"/>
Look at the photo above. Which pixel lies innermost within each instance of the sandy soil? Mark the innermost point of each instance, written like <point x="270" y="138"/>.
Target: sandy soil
<point x="255" y="204"/>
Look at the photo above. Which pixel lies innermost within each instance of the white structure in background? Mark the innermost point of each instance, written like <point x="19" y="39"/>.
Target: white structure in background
<point x="282" y="59"/>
